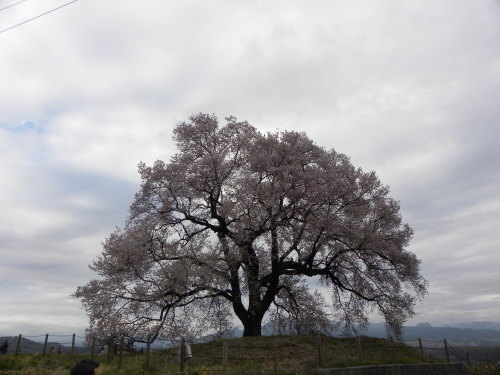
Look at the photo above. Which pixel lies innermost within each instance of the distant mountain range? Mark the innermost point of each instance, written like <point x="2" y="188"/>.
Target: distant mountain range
<point x="474" y="325"/>
<point x="471" y="333"/>
<point x="484" y="333"/>
<point x="30" y="346"/>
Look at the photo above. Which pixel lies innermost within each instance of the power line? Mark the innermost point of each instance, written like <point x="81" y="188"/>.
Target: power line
<point x="10" y="6"/>
<point x="40" y="15"/>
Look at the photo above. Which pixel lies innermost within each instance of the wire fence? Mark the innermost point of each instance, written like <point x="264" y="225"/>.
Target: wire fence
<point x="41" y="344"/>
<point x="284" y="355"/>
<point x="466" y="352"/>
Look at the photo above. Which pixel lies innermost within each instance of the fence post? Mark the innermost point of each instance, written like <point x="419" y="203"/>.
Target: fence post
<point x="73" y="349"/>
<point x="393" y="350"/>
<point x="45" y="343"/>
<point x="148" y="347"/>
<point x="275" y="364"/>
<point x="110" y="349"/>
<point x="224" y="358"/>
<point x="446" y="350"/>
<point x="421" y="349"/>
<point x="92" y="352"/>
<point x="467" y="356"/>
<point x="359" y="348"/>
<point x="319" y="350"/>
<point x="120" y="358"/>
<point x="183" y="354"/>
<point x="18" y="345"/>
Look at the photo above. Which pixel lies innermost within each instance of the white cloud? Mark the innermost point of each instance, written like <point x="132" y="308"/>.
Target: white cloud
<point x="406" y="89"/>
<point x="56" y="313"/>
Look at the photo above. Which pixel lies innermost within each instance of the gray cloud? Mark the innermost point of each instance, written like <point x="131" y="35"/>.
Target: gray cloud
<point x="406" y="89"/>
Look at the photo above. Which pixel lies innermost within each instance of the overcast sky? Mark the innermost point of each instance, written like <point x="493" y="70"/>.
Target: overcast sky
<point x="409" y="89"/>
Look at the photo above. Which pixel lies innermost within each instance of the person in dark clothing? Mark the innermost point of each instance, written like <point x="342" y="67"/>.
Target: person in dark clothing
<point x="4" y="347"/>
<point x="85" y="367"/>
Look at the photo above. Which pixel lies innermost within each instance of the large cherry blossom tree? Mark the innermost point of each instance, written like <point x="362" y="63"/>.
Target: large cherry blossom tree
<point x="252" y="225"/>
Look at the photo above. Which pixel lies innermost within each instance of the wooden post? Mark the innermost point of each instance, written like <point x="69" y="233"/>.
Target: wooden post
<point x="467" y="356"/>
<point x="73" y="347"/>
<point x="446" y="350"/>
<point x="18" y="344"/>
<point x="120" y="358"/>
<point x="110" y="349"/>
<point x="45" y="343"/>
<point x="148" y="347"/>
<point x="319" y="350"/>
<point x="394" y="350"/>
<point x="359" y="348"/>
<point x="183" y="354"/>
<point x="421" y="349"/>
<point x="92" y="352"/>
<point x="224" y="358"/>
<point x="275" y="365"/>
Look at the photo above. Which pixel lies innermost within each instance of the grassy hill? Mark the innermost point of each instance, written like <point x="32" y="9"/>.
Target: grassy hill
<point x="249" y="355"/>
<point x="284" y="355"/>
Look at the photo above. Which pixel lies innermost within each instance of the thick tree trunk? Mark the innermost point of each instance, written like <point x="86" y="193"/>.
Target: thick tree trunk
<point x="252" y="326"/>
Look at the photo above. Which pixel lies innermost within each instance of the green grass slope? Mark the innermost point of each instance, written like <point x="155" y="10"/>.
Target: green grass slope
<point x="248" y="355"/>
